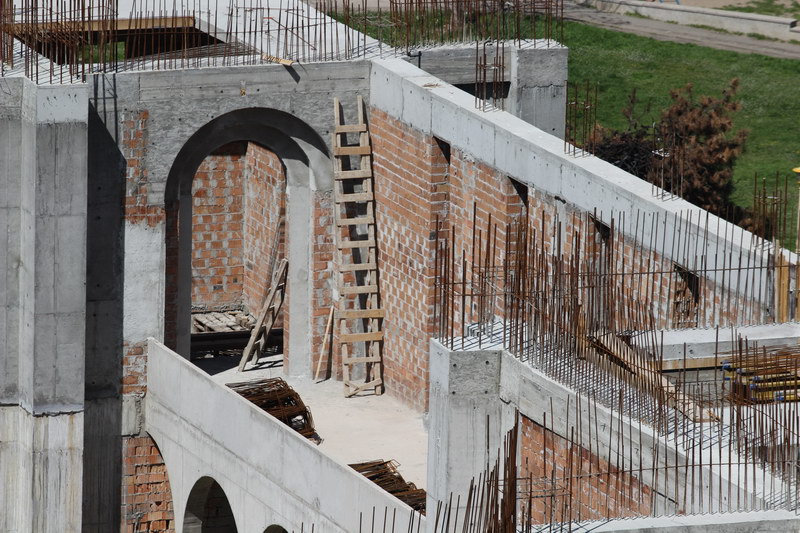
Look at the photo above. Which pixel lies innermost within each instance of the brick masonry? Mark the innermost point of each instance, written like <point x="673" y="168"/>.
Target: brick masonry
<point x="146" y="494"/>
<point x="422" y="188"/>
<point x="217" y="230"/>
<point x="595" y="488"/>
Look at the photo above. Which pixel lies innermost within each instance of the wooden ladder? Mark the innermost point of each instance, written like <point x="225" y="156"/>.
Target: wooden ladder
<point x="359" y="315"/>
<point x="267" y="316"/>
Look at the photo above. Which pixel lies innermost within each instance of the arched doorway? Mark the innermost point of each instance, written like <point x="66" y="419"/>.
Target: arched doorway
<point x="305" y="158"/>
<point x="208" y="509"/>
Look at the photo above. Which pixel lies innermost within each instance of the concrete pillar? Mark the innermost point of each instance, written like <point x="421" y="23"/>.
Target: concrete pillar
<point x="102" y="461"/>
<point x="43" y="146"/>
<point x="17" y="244"/>
<point x="538" y="87"/>
<point x="465" y="415"/>
<point x="60" y="306"/>
<point x="299" y="200"/>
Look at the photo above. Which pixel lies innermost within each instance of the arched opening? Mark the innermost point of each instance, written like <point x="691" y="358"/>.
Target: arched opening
<point x="208" y="509"/>
<point x="229" y="270"/>
<point x="275" y="529"/>
<point x="238" y="240"/>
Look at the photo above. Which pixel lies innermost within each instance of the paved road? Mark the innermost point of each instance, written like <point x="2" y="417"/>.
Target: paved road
<point x="664" y="31"/>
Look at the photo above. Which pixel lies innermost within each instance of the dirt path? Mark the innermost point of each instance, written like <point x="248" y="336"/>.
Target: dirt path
<point x="664" y="31"/>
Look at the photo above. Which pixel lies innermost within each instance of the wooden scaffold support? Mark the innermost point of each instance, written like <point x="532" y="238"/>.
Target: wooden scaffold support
<point x="267" y="317"/>
<point x="359" y="315"/>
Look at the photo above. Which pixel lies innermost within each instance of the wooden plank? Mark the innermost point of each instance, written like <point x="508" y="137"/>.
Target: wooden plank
<point x="358" y="289"/>
<point x="347" y="338"/>
<point x="694" y="362"/>
<point x="360" y="313"/>
<point x="612" y="345"/>
<point x="352" y="150"/>
<point x="355" y="221"/>
<point x="352" y="174"/>
<point x="358" y="387"/>
<point x="350" y="128"/>
<point x="357" y="267"/>
<point x="356" y="197"/>
<point x="358" y="360"/>
<point x="367" y="243"/>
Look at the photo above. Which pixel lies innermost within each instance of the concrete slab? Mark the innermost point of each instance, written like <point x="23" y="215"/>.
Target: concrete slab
<point x="352" y="429"/>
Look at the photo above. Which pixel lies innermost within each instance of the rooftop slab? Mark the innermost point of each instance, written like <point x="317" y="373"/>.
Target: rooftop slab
<point x="353" y="430"/>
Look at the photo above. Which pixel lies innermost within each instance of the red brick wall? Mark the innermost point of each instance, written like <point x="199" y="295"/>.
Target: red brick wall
<point x="264" y="223"/>
<point x="598" y="489"/>
<point x="217" y="228"/>
<point x="414" y="188"/>
<point x="404" y="165"/>
<point x="146" y="493"/>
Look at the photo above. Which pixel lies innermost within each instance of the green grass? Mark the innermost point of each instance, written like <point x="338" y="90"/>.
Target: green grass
<point x="769" y="91"/>
<point x="776" y="8"/>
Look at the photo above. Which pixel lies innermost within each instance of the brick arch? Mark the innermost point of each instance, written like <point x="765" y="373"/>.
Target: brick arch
<point x="308" y="173"/>
<point x="147" y="503"/>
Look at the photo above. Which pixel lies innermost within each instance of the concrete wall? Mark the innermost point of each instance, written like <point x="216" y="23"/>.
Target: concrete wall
<point x="154" y="115"/>
<point x="536" y="72"/>
<point x="470" y="387"/>
<point x="776" y="27"/>
<point x="537" y="159"/>
<point x="270" y="474"/>
<point x="43" y="217"/>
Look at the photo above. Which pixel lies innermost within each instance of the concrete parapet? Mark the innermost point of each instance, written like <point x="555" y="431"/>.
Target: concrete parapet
<point x="270" y="474"/>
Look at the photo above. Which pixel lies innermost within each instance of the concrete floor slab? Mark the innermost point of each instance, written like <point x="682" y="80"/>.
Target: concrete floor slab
<point x="352" y="429"/>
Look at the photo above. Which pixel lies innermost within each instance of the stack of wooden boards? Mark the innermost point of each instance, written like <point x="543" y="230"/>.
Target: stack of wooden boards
<point x="214" y="321"/>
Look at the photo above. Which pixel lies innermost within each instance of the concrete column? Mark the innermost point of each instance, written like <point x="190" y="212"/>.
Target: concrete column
<point x="299" y="199"/>
<point x="538" y="87"/>
<point x="17" y="244"/>
<point x="60" y="307"/>
<point x="183" y="344"/>
<point x="43" y="146"/>
<point x="465" y="413"/>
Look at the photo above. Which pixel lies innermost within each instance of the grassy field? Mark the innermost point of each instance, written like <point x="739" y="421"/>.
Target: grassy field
<point x="769" y="91"/>
<point x="776" y="8"/>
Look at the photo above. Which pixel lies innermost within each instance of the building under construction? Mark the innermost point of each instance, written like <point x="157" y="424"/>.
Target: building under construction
<point x="273" y="266"/>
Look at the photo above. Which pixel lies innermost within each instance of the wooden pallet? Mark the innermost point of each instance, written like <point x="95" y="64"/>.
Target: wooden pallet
<point x="359" y="315"/>
<point x="267" y="316"/>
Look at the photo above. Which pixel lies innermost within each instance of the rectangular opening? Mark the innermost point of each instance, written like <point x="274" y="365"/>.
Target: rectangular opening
<point x="522" y="191"/>
<point x="686" y="297"/>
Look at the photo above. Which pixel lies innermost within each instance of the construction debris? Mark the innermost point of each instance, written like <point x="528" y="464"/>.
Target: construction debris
<point x="214" y="321"/>
<point x="277" y="398"/>
<point x="385" y="475"/>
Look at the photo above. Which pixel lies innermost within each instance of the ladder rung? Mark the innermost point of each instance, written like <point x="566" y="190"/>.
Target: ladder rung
<point x="355" y="197"/>
<point x="360" y="313"/>
<point x="359" y="289"/>
<point x="353" y="174"/>
<point x="356" y="360"/>
<point x="361" y="337"/>
<point x="355" y="267"/>
<point x="355" y="221"/>
<point x="368" y="243"/>
<point x="352" y="150"/>
<point x="350" y="128"/>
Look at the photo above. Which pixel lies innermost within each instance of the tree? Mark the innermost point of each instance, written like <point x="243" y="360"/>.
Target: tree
<point x="691" y="150"/>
